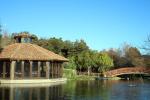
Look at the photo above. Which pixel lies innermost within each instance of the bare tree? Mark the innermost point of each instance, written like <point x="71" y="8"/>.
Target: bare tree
<point x="146" y="45"/>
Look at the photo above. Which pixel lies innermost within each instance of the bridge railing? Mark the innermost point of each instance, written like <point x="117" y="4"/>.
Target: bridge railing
<point x="119" y="71"/>
<point x="127" y="70"/>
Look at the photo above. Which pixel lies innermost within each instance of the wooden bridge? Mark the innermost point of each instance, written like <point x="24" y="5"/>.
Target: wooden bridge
<point x="127" y="70"/>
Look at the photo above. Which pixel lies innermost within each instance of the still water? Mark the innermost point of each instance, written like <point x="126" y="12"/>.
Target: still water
<point x="80" y="90"/>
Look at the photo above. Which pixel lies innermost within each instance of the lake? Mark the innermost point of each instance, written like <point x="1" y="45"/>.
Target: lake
<point x="80" y="90"/>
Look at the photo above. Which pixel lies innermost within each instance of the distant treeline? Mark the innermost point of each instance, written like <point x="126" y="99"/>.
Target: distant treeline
<point x="82" y="58"/>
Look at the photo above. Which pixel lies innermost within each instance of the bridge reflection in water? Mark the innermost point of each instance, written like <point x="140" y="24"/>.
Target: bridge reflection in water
<point x="31" y="93"/>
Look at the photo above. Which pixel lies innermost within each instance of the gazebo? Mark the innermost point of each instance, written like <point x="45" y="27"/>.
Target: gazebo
<point x="24" y="62"/>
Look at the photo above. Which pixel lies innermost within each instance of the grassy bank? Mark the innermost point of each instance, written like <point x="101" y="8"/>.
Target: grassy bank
<point x="72" y="75"/>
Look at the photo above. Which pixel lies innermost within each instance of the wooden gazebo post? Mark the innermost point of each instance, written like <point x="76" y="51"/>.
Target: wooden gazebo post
<point x="12" y="69"/>
<point x="47" y="69"/>
<point x="39" y="70"/>
<point x="4" y="69"/>
<point x="61" y="70"/>
<point x="22" y="68"/>
<point x="52" y="69"/>
<point x="58" y="69"/>
<point x="31" y="69"/>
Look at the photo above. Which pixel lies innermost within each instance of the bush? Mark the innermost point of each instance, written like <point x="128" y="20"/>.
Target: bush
<point x="69" y="73"/>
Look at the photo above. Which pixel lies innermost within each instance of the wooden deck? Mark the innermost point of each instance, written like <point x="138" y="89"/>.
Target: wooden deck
<point x="32" y="81"/>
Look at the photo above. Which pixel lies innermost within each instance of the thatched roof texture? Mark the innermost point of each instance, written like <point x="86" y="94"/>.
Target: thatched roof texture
<point x="27" y="51"/>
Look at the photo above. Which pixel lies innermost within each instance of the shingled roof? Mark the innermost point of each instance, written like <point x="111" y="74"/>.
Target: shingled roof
<point x="27" y="51"/>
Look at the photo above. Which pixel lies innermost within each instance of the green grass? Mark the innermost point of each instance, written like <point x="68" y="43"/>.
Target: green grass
<point x="72" y="75"/>
<point x="84" y="77"/>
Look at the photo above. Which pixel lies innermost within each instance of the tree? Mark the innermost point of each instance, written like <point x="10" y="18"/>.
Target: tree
<point x="6" y="39"/>
<point x="146" y="46"/>
<point x="84" y="61"/>
<point x="68" y="48"/>
<point x="52" y="44"/>
<point x="0" y="36"/>
<point x="133" y="55"/>
<point x="126" y="56"/>
<point x="147" y="60"/>
<point x="115" y="54"/>
<point x="99" y="62"/>
<point x="104" y="62"/>
<point x="87" y="61"/>
<point x="56" y="44"/>
<point x="65" y="48"/>
<point x="71" y="64"/>
<point x="80" y="46"/>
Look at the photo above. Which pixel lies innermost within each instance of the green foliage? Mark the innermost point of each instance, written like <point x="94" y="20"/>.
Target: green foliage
<point x="55" y="44"/>
<point x="93" y="60"/>
<point x="65" y="48"/>
<point x="69" y="73"/>
<point x="80" y="46"/>
<point x="72" y="75"/>
<point x="71" y="64"/>
<point x="83" y="60"/>
<point x="104" y="62"/>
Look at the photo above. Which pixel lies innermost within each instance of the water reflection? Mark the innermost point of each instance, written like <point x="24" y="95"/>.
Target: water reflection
<point x="31" y="93"/>
<point x="108" y="90"/>
<point x="79" y="90"/>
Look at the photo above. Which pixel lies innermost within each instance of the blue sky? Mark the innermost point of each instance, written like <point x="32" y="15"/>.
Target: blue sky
<point x="102" y="24"/>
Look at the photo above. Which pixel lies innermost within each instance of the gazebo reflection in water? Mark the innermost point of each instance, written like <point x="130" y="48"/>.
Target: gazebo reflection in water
<point x="54" y="92"/>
